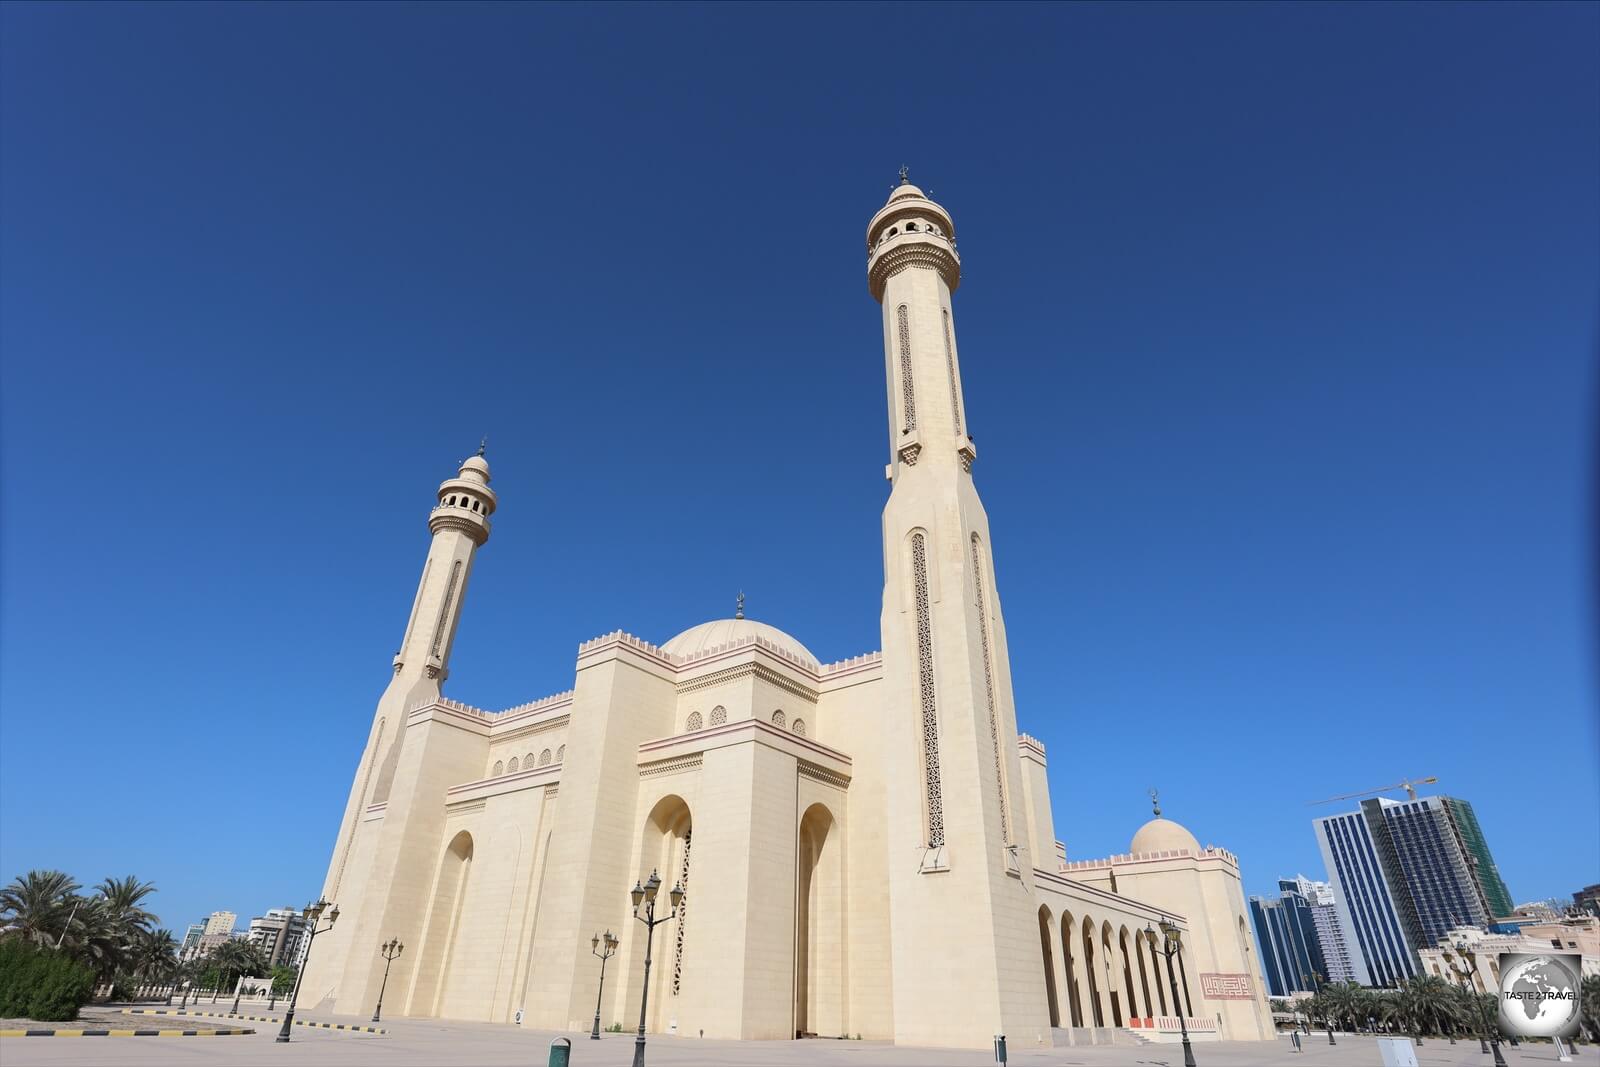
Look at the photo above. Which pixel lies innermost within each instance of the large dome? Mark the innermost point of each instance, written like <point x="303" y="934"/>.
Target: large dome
<point x="718" y="632"/>
<point x="1163" y="835"/>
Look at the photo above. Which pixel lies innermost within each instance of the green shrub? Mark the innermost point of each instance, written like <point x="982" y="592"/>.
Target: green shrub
<point x="39" y="984"/>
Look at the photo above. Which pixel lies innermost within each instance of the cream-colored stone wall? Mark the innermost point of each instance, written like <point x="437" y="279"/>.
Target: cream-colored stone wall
<point x="867" y="847"/>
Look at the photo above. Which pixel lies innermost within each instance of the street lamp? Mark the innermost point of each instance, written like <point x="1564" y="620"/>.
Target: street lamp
<point x="1464" y="952"/>
<point x="645" y="895"/>
<point x="390" y="952"/>
<point x="1171" y="946"/>
<point x="606" y="953"/>
<point x="313" y="913"/>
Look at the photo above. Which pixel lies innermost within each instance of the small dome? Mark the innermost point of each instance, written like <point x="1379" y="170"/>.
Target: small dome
<point x="905" y="190"/>
<point x="478" y="465"/>
<point x="718" y="632"/>
<point x="1163" y="835"/>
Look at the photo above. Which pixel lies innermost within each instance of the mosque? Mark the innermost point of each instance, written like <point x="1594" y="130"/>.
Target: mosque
<point x="863" y="848"/>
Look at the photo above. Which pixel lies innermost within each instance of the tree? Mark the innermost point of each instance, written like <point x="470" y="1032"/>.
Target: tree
<point x="122" y="897"/>
<point x="234" y="959"/>
<point x="155" y="955"/>
<point x="36" y="906"/>
<point x="1589" y="1005"/>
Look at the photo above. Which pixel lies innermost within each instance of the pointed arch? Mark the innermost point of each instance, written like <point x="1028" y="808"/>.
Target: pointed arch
<point x="1069" y="964"/>
<point x="819" y="983"/>
<point x="1046" y="937"/>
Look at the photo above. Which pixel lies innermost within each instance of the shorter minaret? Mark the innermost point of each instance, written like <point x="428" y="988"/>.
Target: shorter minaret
<point x="459" y="524"/>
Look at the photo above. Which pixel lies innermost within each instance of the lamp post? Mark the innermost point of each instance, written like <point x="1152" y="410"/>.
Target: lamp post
<point x="313" y="913"/>
<point x="1172" y="945"/>
<point x="1465" y="952"/>
<point x="645" y="895"/>
<point x="605" y="953"/>
<point x="390" y="951"/>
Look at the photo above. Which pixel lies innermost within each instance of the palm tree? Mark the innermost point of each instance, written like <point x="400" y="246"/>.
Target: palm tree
<point x="1589" y="1005"/>
<point x="155" y="957"/>
<point x="36" y="906"/>
<point x="122" y="896"/>
<point x="236" y="958"/>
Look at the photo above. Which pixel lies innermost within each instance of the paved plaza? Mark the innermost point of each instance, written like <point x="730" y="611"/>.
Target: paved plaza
<point x="412" y="1041"/>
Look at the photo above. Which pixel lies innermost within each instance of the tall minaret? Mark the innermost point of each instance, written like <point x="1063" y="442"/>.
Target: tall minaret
<point x="960" y="870"/>
<point x="459" y="525"/>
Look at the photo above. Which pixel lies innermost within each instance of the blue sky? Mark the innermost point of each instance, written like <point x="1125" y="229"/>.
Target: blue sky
<point x="1278" y="327"/>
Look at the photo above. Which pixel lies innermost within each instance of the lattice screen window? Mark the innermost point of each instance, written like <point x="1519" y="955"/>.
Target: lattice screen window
<point x="719" y="715"/>
<point x="799" y="727"/>
<point x="778" y="718"/>
<point x="444" y="607"/>
<point x="930" y="711"/>
<point x="499" y="768"/>
<point x="908" y="397"/>
<point x="544" y="758"/>
<point x="950" y="364"/>
<point x="693" y="722"/>
<point x="988" y="687"/>
<point x="511" y="768"/>
<point x="561" y="754"/>
<point x="683" y="913"/>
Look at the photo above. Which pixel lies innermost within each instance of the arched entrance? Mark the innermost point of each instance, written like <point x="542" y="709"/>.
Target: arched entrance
<point x="666" y="848"/>
<point x="1046" y="936"/>
<point x="437" y="958"/>
<point x="819" y="926"/>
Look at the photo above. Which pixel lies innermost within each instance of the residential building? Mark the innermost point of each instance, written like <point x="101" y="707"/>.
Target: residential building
<point x="279" y="933"/>
<point x="1587" y="900"/>
<point x="221" y="922"/>
<point x="191" y="939"/>
<point x="1579" y="934"/>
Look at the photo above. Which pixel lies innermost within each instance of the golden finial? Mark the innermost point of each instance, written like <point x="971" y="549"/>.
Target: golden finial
<point x="738" y="610"/>
<point x="1155" y="801"/>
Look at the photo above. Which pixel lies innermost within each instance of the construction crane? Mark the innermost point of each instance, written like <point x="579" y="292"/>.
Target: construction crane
<point x="1408" y="784"/>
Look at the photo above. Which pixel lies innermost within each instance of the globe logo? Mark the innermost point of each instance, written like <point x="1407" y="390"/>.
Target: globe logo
<point x="1539" y="994"/>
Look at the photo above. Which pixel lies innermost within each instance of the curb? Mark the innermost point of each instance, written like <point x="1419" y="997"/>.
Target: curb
<point x="124" y="1033"/>
<point x="351" y="1027"/>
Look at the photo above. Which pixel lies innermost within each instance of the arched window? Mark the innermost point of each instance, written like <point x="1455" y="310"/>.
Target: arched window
<point x="544" y="758"/>
<point x="499" y="768"/>
<point x="527" y="761"/>
<point x="911" y="227"/>
<point x="451" y="500"/>
<point x="799" y="727"/>
<point x="561" y="754"/>
<point x="719" y="715"/>
<point x="778" y="719"/>
<point x="511" y="768"/>
<point x="693" y="722"/>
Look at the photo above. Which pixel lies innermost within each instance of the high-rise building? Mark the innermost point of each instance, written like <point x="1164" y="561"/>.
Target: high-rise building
<point x="1291" y="955"/>
<point x="1479" y="860"/>
<point x="278" y="932"/>
<point x="191" y="939"/>
<point x="1364" y="893"/>
<point x="221" y="922"/>
<point x="1422" y="863"/>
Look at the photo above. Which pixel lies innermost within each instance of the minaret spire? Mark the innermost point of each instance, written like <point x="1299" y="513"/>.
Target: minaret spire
<point x="1155" y="801"/>
<point x="738" y="610"/>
